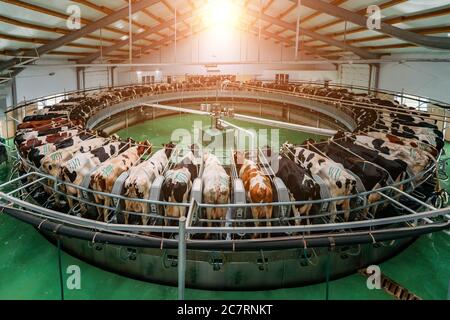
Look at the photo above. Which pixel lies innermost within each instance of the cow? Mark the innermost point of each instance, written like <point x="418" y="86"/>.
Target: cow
<point x="300" y="184"/>
<point x="432" y="140"/>
<point x="404" y="141"/>
<point x="416" y="159"/>
<point x="51" y="163"/>
<point x="41" y="123"/>
<point x="3" y="152"/>
<point x="216" y="187"/>
<point x="140" y="179"/>
<point x="39" y="141"/>
<point x="41" y="117"/>
<point x="372" y="176"/>
<point x="178" y="183"/>
<point x="257" y="186"/>
<point x="36" y="154"/>
<point x="28" y="134"/>
<point x="75" y="169"/>
<point x="395" y="167"/>
<point x="424" y="134"/>
<point x="105" y="176"/>
<point x="334" y="175"/>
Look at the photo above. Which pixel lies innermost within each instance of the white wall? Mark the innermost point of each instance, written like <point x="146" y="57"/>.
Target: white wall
<point x="429" y="79"/>
<point x="97" y="77"/>
<point x="37" y="82"/>
<point x="354" y="74"/>
<point x="233" y="47"/>
<point x="303" y="75"/>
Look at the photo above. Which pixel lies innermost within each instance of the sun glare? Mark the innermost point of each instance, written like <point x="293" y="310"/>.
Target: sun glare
<point x="220" y="13"/>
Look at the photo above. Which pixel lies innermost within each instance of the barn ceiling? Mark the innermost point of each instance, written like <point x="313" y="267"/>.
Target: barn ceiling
<point x="31" y="29"/>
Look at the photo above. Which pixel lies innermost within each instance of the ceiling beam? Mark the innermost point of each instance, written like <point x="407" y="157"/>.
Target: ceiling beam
<point x="55" y="14"/>
<point x="31" y="26"/>
<point x="432" y="30"/>
<point x="309" y="17"/>
<point x="284" y="40"/>
<point x="358" y="51"/>
<point x="136" y="37"/>
<point x="76" y="34"/>
<point x="363" y="11"/>
<point x="106" y="10"/>
<point x="418" y="39"/>
<point x="393" y="20"/>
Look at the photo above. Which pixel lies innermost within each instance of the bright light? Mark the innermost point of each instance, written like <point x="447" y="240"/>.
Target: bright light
<point x="221" y="13"/>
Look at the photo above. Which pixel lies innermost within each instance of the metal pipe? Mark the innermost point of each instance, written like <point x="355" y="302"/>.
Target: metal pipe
<point x="248" y="62"/>
<point x="181" y="257"/>
<point x="321" y="240"/>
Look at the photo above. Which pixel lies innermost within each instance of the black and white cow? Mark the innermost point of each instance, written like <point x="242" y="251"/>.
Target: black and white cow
<point x="3" y="152"/>
<point x="35" y="155"/>
<point x="178" y="183"/>
<point x="416" y="159"/>
<point x="395" y="167"/>
<point x="300" y="184"/>
<point x="372" y="176"/>
<point x="334" y="175"/>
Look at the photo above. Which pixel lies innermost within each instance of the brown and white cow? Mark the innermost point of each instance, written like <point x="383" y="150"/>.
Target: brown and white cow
<point x="257" y="187"/>
<point x="216" y="187"/>
<point x="74" y="170"/>
<point x="140" y="179"/>
<point x="105" y="176"/>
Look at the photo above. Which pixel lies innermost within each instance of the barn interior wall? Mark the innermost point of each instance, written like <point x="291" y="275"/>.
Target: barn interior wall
<point x="428" y="79"/>
<point x="215" y="46"/>
<point x="38" y="82"/>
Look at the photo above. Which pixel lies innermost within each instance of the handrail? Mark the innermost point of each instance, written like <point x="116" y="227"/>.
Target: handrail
<point x="108" y="227"/>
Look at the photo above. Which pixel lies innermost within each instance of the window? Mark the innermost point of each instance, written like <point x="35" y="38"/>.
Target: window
<point x="414" y="102"/>
<point x="49" y="101"/>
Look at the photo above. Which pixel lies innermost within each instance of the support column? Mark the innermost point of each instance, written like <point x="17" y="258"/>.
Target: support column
<point x="11" y="124"/>
<point x="78" y="78"/>
<point x="377" y="76"/>
<point x="83" y="73"/>
<point x="112" y="76"/>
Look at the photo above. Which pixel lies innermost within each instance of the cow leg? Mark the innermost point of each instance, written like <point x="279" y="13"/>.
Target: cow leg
<point x="209" y="216"/>
<point x="166" y="221"/>
<point x="346" y="208"/>
<point x="99" y="210"/>
<point x="255" y="216"/>
<point x="105" y="210"/>
<point x="145" y="211"/>
<point x="70" y="202"/>
<point x="333" y="211"/>
<point x="269" y="216"/>
<point x="297" y="215"/>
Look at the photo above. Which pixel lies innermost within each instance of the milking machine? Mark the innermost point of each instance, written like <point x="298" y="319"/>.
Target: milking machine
<point x="238" y="196"/>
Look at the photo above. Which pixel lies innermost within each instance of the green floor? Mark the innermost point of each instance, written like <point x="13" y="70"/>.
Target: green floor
<point x="29" y="264"/>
